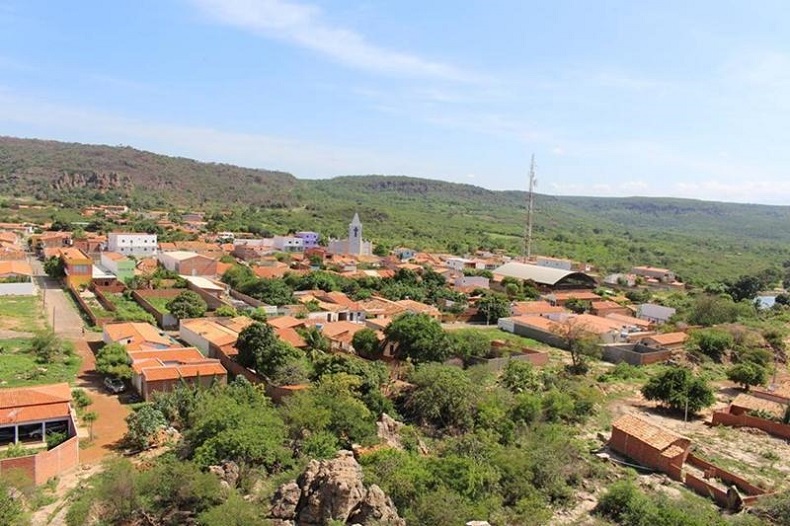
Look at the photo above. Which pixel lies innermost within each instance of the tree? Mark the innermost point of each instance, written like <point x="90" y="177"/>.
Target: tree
<point x="226" y="311"/>
<point x="54" y="267"/>
<point x="745" y="288"/>
<point x="493" y="306"/>
<point x="143" y="425"/>
<point x="112" y="359"/>
<point x="578" y="306"/>
<point x="366" y="343"/>
<point x="89" y="418"/>
<point x="468" y="344"/>
<point x="46" y="346"/>
<point x="418" y="337"/>
<point x="444" y="397"/>
<point x="520" y="377"/>
<point x="679" y="389"/>
<point x="748" y="374"/>
<point x="710" y="310"/>
<point x="188" y="304"/>
<point x="580" y="342"/>
<point x="260" y="349"/>
<point x="11" y="510"/>
<point x="711" y="342"/>
<point x="270" y="291"/>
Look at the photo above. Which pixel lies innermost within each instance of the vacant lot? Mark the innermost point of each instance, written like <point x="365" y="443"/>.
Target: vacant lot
<point x="20" y="367"/>
<point x="21" y="313"/>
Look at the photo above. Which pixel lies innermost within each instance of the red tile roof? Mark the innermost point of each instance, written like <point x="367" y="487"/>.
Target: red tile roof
<point x="646" y="432"/>
<point x="31" y="404"/>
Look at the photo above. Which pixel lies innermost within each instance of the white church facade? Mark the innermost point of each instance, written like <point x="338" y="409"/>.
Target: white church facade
<point x="354" y="245"/>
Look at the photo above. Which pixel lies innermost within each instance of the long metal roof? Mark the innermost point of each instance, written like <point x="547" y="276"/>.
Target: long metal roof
<point x="536" y="273"/>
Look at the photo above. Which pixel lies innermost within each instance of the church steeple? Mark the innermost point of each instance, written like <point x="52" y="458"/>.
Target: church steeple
<point x="355" y="235"/>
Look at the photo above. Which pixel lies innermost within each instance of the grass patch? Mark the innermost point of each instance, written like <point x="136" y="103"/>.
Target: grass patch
<point x="160" y="304"/>
<point x="127" y="309"/>
<point x="21" y="313"/>
<point x="20" y="367"/>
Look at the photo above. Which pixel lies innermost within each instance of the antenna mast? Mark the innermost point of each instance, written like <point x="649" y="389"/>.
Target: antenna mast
<point x="530" y="210"/>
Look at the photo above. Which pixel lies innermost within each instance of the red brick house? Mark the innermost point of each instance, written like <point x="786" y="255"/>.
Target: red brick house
<point x="27" y="416"/>
<point x="650" y="445"/>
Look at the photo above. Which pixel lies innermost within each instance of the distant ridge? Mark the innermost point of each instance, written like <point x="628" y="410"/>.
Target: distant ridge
<point x="425" y="213"/>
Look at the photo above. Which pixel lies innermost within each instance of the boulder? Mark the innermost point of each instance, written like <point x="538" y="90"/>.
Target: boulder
<point x="332" y="490"/>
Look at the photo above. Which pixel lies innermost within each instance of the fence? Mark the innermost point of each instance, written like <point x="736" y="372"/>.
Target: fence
<point x="772" y="428"/>
<point x="43" y="466"/>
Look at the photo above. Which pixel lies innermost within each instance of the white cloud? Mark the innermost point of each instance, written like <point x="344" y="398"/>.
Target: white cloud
<point x="305" y="26"/>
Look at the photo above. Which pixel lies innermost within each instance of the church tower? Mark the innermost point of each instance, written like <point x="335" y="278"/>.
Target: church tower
<point x="355" y="236"/>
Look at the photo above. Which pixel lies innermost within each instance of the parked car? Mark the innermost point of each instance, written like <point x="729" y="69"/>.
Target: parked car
<point x="57" y="427"/>
<point x="114" y="385"/>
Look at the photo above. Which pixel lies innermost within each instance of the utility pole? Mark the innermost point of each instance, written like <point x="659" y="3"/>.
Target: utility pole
<point x="530" y="210"/>
<point x="53" y="318"/>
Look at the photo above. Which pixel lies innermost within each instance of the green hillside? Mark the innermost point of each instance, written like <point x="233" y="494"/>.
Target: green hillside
<point x="701" y="240"/>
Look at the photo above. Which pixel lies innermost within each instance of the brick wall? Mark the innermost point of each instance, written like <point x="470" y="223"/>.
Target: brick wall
<point x="773" y="428"/>
<point x="702" y="487"/>
<point x="57" y="461"/>
<point x="725" y="476"/>
<point x="47" y="464"/>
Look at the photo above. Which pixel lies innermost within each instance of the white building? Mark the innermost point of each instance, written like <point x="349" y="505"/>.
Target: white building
<point x="288" y="243"/>
<point x="132" y="244"/>
<point x="354" y="245"/>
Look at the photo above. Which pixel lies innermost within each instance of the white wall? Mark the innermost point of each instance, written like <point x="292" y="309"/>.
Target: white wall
<point x="17" y="289"/>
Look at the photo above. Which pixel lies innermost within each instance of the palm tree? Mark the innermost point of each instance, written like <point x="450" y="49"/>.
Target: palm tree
<point x="89" y="418"/>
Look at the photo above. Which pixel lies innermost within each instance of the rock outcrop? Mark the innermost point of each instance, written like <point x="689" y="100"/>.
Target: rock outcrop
<point x="332" y="490"/>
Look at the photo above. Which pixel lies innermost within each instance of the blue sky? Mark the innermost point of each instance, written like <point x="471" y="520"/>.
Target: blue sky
<point x="616" y="98"/>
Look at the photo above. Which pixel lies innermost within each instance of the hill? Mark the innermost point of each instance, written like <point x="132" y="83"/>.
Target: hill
<point x="701" y="240"/>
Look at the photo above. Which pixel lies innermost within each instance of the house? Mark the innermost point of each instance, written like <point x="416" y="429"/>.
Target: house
<point x="165" y="370"/>
<point x="209" y="250"/>
<point x="606" y="307"/>
<point x="404" y="253"/>
<point x="535" y="308"/>
<point x="132" y="244"/>
<point x="563" y="297"/>
<point x="137" y="336"/>
<point x="655" y="313"/>
<point x="630" y="321"/>
<point x="16" y="279"/>
<point x="558" y="263"/>
<point x="340" y="334"/>
<point x="352" y="309"/>
<point x="78" y="267"/>
<point x="188" y="263"/>
<point x="44" y="240"/>
<point x="472" y="282"/>
<point x="354" y="244"/>
<point x="28" y="415"/>
<point x="118" y="264"/>
<point x="252" y="249"/>
<point x="670" y="341"/>
<point x="659" y="274"/>
<point x="288" y="243"/>
<point x="650" y="445"/>
<point x="205" y="334"/>
<point x="90" y="243"/>
<point x="309" y="239"/>
<point x="545" y="278"/>
<point x="553" y="331"/>
<point x="417" y="307"/>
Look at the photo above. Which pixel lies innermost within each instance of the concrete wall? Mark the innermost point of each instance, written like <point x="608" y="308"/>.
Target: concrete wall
<point x="536" y="358"/>
<point x="541" y="336"/>
<point x="18" y="289"/>
<point x="616" y="353"/>
<point x="165" y="321"/>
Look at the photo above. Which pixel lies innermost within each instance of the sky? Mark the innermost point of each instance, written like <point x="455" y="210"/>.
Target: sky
<point x="614" y="98"/>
